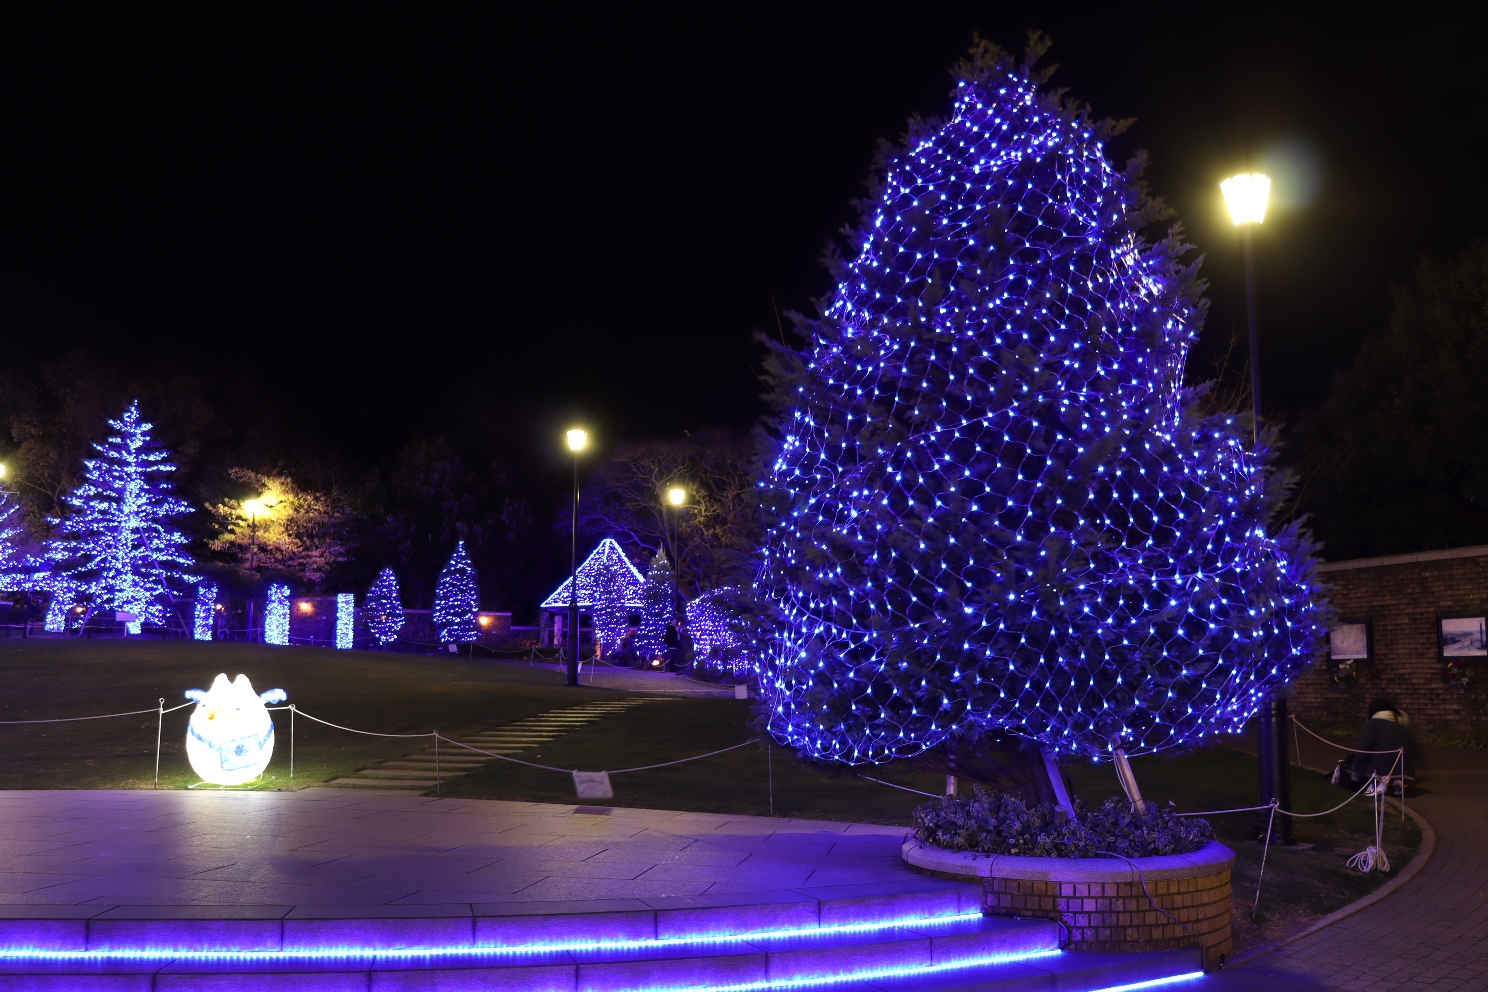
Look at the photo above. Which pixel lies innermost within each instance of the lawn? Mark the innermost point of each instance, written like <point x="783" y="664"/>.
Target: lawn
<point x="399" y="693"/>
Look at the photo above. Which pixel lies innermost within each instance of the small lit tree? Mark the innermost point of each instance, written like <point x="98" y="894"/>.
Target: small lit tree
<point x="658" y="595"/>
<point x="119" y="546"/>
<point x="455" y="602"/>
<point x="382" y="609"/>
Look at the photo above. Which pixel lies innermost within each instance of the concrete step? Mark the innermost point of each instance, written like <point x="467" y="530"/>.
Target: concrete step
<point x="382" y="783"/>
<point x="406" y="773"/>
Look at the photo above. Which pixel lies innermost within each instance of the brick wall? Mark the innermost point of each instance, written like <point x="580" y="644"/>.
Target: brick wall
<point x="1118" y="917"/>
<point x="1402" y="596"/>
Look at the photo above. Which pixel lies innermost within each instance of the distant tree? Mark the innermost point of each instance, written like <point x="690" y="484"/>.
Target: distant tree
<point x="301" y="532"/>
<point x="456" y="600"/>
<point x="119" y="546"/>
<point x="15" y="554"/>
<point x="383" y="609"/>
<point x="713" y="536"/>
<point x="1394" y="461"/>
<point x="658" y="605"/>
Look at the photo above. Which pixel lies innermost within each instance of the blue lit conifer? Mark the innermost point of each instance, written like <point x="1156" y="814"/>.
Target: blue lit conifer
<point x="455" y="603"/>
<point x="995" y="510"/>
<point x="610" y="611"/>
<point x="382" y="609"/>
<point x="658" y="602"/>
<point x="119" y="546"/>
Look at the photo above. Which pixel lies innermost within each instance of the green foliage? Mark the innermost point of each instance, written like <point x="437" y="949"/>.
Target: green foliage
<point x="1394" y="460"/>
<point x="997" y="823"/>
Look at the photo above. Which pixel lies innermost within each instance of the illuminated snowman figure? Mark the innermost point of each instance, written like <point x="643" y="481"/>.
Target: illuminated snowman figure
<point x="230" y="737"/>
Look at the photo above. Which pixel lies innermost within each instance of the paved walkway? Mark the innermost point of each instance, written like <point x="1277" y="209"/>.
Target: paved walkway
<point x="1432" y="934"/>
<point x="333" y="854"/>
<point x="636" y="680"/>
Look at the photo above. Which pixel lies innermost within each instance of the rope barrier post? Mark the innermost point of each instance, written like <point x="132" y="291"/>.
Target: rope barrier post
<point x="1297" y="741"/>
<point x="291" y="741"/>
<point x="438" y="779"/>
<point x="1255" y="906"/>
<point x="159" y="731"/>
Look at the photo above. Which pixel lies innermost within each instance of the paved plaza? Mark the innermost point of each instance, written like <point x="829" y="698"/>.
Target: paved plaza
<point x="332" y="853"/>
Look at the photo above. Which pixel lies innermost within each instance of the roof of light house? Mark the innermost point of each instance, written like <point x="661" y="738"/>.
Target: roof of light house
<point x="608" y="551"/>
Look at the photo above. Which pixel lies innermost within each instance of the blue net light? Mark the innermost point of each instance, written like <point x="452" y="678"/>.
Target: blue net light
<point x="345" y="621"/>
<point x="382" y="609"/>
<point x="276" y="615"/>
<point x="204" y="618"/>
<point x="994" y="507"/>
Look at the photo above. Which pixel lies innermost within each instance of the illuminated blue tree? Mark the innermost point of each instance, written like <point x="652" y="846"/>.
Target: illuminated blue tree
<point x="610" y="612"/>
<point x="995" y="511"/>
<point x="455" y="603"/>
<point x="658" y="603"/>
<point x="382" y="609"/>
<point x="119" y="546"/>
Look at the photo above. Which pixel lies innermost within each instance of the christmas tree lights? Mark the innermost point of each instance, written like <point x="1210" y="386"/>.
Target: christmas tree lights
<point x="994" y="507"/>
<point x="713" y="621"/>
<point x="204" y="618"/>
<point x="455" y="602"/>
<point x="603" y="557"/>
<point x="276" y="615"/>
<point x="613" y="595"/>
<point x="658" y="605"/>
<point x="119" y="545"/>
<point x="345" y="620"/>
<point x="64" y="597"/>
<point x="382" y="608"/>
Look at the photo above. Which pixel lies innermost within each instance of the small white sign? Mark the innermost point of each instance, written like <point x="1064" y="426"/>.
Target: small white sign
<point x="123" y="616"/>
<point x="593" y="785"/>
<point x="741" y="692"/>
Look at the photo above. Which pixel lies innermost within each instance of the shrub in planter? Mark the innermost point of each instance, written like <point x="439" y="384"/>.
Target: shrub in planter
<point x="996" y="823"/>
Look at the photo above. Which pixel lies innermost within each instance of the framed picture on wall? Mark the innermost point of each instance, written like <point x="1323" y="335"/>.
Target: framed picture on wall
<point x="1464" y="637"/>
<point x="1351" y="640"/>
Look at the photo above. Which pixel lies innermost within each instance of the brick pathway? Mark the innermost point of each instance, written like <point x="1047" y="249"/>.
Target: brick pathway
<point x="1432" y="934"/>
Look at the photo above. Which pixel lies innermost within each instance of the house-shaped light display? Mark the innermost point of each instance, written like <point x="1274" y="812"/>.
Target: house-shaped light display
<point x="609" y="550"/>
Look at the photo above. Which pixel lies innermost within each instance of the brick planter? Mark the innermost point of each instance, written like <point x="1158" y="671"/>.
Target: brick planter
<point x="1101" y="900"/>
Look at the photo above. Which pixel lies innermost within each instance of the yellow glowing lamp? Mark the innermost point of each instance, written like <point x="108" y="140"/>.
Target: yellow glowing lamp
<point x="2" y="470"/>
<point x="230" y="736"/>
<point x="676" y="496"/>
<point x="306" y="606"/>
<point x="254" y="508"/>
<point x="1246" y="196"/>
<point x="577" y="439"/>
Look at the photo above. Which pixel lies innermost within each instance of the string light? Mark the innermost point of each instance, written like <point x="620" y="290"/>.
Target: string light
<point x="276" y="615"/>
<point x="345" y="620"/>
<point x="615" y="595"/>
<point x="713" y="623"/>
<point x="119" y="547"/>
<point x="382" y="608"/>
<point x="64" y="595"/>
<point x="994" y="506"/>
<point x="205" y="616"/>
<point x="455" y="603"/>
<point x="604" y="556"/>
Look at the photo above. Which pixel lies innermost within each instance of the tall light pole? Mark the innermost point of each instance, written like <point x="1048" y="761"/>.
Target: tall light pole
<point x="675" y="497"/>
<point x="577" y="439"/>
<point x="254" y="508"/>
<point x="1246" y="196"/>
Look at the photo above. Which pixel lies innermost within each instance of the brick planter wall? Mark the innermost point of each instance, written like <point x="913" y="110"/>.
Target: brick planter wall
<point x="1101" y="900"/>
<point x="1402" y="596"/>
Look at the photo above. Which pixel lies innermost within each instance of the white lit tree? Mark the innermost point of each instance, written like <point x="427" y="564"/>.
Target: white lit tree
<point x="455" y="602"/>
<point x="119" y="546"/>
<point x="610" y="610"/>
<point x="382" y="609"/>
<point x="657" y="605"/>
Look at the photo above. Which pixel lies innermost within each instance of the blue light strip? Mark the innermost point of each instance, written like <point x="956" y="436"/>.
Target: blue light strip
<point x="10" y="954"/>
<point x="1153" y="983"/>
<point x="868" y="974"/>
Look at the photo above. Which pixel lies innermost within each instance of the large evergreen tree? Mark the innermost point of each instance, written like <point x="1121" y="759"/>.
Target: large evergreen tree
<point x="658" y="604"/>
<point x="382" y="610"/>
<point x="119" y="546"/>
<point x="455" y="600"/>
<point x="994" y="510"/>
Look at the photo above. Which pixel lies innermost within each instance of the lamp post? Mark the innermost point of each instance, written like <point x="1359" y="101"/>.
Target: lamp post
<point x="1246" y="196"/>
<point x="675" y="497"/>
<point x="254" y="508"/>
<point x="577" y="439"/>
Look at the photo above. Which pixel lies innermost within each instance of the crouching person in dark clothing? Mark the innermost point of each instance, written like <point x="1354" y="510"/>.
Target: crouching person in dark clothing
<point x="1385" y="730"/>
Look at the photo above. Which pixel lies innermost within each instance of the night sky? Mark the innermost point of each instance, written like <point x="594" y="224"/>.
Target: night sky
<point x="365" y="226"/>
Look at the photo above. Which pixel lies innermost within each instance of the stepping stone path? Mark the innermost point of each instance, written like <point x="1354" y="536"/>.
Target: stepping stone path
<point x="415" y="773"/>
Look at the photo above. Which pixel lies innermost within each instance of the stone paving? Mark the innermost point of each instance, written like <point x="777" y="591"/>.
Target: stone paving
<point x="323" y="853"/>
<point x="1431" y="934"/>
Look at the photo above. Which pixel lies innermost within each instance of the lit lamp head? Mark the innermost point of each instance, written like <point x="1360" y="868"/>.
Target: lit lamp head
<point x="577" y="439"/>
<point x="676" y="496"/>
<point x="2" y="470"/>
<point x="254" y="508"/>
<point x="1246" y="196"/>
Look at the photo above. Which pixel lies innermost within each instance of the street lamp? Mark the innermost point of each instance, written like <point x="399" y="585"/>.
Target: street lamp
<point x="1246" y="196"/>
<point x="675" y="497"/>
<point x="258" y="506"/>
<point x="577" y="439"/>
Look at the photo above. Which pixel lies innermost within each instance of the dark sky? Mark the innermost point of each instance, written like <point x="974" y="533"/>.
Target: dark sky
<point x="367" y="224"/>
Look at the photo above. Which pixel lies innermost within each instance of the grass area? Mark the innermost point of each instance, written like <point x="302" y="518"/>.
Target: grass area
<point x="1301" y="884"/>
<point x="44" y="678"/>
<point x="398" y="693"/>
